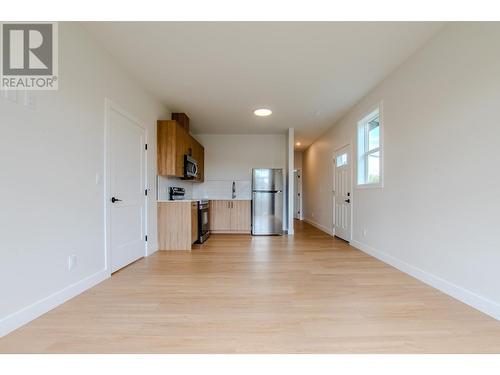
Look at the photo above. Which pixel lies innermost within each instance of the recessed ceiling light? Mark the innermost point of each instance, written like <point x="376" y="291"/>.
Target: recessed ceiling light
<point x="262" y="112"/>
<point x="297" y="144"/>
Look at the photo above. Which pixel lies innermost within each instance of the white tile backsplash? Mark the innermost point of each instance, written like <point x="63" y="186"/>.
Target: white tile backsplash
<point x="214" y="189"/>
<point x="222" y="189"/>
<point x="165" y="182"/>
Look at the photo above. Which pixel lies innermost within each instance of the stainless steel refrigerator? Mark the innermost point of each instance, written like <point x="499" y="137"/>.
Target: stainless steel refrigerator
<point x="267" y="201"/>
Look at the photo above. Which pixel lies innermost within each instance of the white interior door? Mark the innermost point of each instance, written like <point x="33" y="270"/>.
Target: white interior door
<point x="343" y="193"/>
<point x="126" y="194"/>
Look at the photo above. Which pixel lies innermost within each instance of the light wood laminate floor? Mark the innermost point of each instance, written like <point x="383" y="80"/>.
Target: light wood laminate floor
<point x="307" y="293"/>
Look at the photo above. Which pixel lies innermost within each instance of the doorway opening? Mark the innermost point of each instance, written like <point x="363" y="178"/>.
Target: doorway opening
<point x="297" y="202"/>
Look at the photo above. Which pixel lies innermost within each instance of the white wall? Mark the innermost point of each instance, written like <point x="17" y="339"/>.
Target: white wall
<point x="290" y="194"/>
<point x="51" y="206"/>
<point x="437" y="215"/>
<point x="297" y="160"/>
<point x="231" y="157"/>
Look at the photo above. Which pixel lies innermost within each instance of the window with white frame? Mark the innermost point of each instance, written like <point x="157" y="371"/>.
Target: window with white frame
<point x="370" y="150"/>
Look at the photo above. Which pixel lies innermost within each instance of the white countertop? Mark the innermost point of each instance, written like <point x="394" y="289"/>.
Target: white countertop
<point x="227" y="199"/>
<point x="177" y="201"/>
<point x="196" y="200"/>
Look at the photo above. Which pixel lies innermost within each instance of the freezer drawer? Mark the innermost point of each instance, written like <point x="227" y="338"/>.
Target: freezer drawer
<point x="267" y="213"/>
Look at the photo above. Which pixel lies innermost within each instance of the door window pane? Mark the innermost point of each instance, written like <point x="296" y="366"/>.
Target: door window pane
<point x="341" y="160"/>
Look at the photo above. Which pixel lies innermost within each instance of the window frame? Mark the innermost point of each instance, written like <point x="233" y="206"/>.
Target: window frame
<point x="364" y="153"/>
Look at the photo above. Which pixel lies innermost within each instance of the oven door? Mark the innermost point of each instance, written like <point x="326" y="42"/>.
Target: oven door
<point x="203" y="222"/>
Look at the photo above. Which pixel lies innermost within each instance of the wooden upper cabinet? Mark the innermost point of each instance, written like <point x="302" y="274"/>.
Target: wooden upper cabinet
<point x="173" y="143"/>
<point x="182" y="119"/>
<point x="170" y="145"/>
<point x="199" y="155"/>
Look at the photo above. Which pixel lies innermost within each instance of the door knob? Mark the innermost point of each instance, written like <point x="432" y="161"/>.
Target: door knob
<point x="347" y="201"/>
<point x="113" y="200"/>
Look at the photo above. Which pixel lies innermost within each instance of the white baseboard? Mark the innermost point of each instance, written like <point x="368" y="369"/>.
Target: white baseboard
<point x="319" y="226"/>
<point x="33" y="311"/>
<point x="466" y="296"/>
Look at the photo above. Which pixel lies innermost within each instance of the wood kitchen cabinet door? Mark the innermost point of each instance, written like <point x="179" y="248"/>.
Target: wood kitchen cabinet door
<point x="241" y="216"/>
<point x="198" y="155"/>
<point x="173" y="142"/>
<point x="174" y="225"/>
<point x="166" y="148"/>
<point x="183" y="147"/>
<point x="220" y="216"/>
<point x="194" y="222"/>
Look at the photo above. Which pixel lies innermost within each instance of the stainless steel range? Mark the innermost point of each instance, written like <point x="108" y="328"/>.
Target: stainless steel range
<point x="178" y="194"/>
<point x="203" y="221"/>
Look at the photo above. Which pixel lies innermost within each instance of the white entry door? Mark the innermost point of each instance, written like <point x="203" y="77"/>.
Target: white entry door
<point x="343" y="193"/>
<point x="127" y="189"/>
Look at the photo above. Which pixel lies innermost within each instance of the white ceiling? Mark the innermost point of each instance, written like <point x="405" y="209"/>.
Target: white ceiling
<point x="308" y="73"/>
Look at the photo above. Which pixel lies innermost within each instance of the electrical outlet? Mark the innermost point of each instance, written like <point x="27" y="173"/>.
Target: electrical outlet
<point x="72" y="262"/>
<point x="30" y="100"/>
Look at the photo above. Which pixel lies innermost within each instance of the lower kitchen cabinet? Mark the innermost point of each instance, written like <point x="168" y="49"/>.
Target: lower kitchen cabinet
<point x="241" y="216"/>
<point x="220" y="216"/>
<point x="230" y="216"/>
<point x="177" y="225"/>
